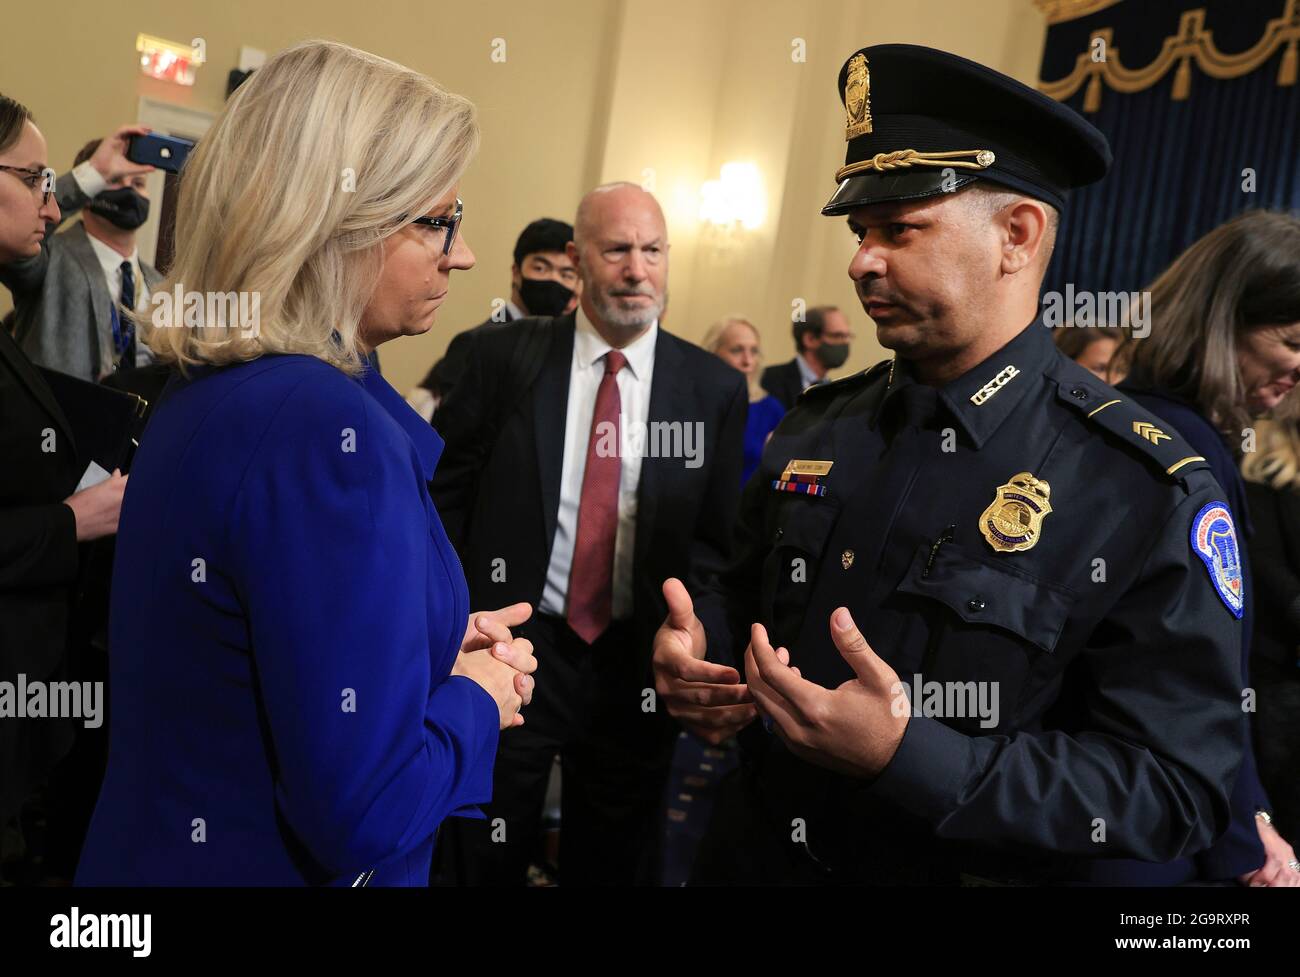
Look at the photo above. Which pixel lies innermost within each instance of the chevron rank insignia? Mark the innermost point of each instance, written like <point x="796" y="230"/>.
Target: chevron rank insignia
<point x="1145" y="429"/>
<point x="1214" y="538"/>
<point x="803" y="477"/>
<point x="1130" y="422"/>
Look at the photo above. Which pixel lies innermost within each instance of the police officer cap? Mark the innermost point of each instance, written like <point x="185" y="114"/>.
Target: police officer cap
<point x="922" y="122"/>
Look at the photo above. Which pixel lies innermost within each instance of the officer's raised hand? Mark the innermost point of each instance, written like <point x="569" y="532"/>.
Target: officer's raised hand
<point x="852" y="729"/>
<point x="706" y="698"/>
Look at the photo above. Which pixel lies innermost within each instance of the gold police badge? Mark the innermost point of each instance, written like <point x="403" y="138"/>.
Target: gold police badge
<point x="1014" y="520"/>
<point x="857" y="98"/>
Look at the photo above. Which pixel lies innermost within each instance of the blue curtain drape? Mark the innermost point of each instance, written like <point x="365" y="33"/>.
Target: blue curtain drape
<point x="1179" y="165"/>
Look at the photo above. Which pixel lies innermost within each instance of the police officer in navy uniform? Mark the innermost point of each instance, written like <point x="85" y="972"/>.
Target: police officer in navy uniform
<point x="982" y="627"/>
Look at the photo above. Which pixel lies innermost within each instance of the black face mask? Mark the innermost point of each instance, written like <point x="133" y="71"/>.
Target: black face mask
<point x="541" y="296"/>
<point x="124" y="207"/>
<point x="832" y="355"/>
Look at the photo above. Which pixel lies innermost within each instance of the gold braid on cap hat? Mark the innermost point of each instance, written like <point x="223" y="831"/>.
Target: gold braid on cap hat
<point x="882" y="162"/>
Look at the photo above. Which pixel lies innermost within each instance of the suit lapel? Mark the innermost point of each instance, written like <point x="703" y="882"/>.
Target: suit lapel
<point x="79" y="247"/>
<point x="669" y="390"/>
<point x="550" y="411"/>
<point x="31" y="378"/>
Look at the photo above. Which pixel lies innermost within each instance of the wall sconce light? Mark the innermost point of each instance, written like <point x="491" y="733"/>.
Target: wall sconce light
<point x="168" y="60"/>
<point x="736" y="198"/>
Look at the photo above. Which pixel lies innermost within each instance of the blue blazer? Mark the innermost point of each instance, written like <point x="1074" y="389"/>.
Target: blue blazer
<point x="286" y="611"/>
<point x="763" y="417"/>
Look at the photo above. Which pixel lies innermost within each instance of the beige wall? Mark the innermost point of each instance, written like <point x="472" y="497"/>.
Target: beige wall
<point x="591" y="90"/>
<point x="745" y="98"/>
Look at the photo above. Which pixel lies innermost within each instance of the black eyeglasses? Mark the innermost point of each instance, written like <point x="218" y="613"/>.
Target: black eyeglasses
<point x="36" y="181"/>
<point x="452" y="224"/>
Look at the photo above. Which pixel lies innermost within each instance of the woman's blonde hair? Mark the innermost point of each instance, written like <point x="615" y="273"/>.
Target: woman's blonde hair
<point x="316" y="159"/>
<point x="712" y="342"/>
<point x="1276" y="459"/>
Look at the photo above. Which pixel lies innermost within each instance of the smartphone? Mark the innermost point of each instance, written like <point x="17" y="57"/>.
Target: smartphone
<point x="165" y="152"/>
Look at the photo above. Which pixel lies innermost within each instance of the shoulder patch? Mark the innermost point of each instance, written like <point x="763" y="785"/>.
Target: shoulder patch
<point x="1133" y="424"/>
<point x="853" y="379"/>
<point x="1214" y="538"/>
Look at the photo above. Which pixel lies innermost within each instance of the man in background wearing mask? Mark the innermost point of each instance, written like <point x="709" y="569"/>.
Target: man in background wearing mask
<point x="69" y="299"/>
<point x="543" y="281"/>
<point x="823" y="344"/>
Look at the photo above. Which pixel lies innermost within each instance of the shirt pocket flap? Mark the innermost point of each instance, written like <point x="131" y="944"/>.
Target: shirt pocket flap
<point x="981" y="592"/>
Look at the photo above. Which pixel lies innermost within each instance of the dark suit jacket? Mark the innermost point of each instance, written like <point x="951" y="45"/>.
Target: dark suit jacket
<point x="1275" y="561"/>
<point x="498" y="487"/>
<point x="784" y="382"/>
<point x="38" y="556"/>
<point x="448" y="371"/>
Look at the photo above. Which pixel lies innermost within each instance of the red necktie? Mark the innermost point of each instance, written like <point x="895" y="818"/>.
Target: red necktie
<point x="591" y="577"/>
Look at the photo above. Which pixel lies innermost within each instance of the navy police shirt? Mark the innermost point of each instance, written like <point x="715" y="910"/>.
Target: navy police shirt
<point x="1052" y="572"/>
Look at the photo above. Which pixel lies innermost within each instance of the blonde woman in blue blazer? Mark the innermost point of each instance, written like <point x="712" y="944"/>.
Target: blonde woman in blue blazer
<point x="300" y="694"/>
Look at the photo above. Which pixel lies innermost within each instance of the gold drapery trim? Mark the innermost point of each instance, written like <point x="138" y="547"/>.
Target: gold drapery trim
<point x="1192" y="43"/>
<point x="1059" y="11"/>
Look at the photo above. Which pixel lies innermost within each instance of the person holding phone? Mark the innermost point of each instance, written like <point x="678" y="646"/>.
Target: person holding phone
<point x="71" y="298"/>
<point x="300" y="694"/>
<point x="153" y="149"/>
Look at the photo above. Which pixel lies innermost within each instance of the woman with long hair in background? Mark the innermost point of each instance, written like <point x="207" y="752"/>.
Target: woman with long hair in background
<point x="1224" y="347"/>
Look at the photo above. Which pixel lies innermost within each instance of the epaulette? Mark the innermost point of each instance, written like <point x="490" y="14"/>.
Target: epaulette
<point x="1132" y="423"/>
<point x="853" y="379"/>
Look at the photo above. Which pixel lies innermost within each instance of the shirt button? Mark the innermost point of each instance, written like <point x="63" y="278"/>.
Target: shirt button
<point x="1079" y="393"/>
<point x="975" y="605"/>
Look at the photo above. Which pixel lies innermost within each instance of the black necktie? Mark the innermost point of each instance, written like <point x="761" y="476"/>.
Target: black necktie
<point x="126" y="341"/>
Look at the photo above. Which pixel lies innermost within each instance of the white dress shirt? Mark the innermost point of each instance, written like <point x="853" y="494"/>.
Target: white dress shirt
<point x="585" y="373"/>
<point x="111" y="262"/>
<point x="810" y="379"/>
<point x="91" y="184"/>
<point x="88" y="179"/>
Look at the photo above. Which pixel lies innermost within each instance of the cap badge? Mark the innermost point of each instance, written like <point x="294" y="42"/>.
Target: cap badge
<point x="1014" y="520"/>
<point x="857" y="98"/>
